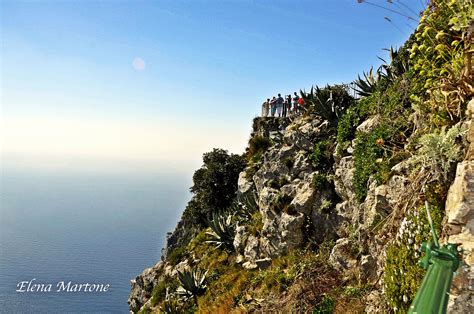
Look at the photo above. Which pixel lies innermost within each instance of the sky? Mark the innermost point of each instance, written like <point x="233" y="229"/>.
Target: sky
<point x="149" y="85"/>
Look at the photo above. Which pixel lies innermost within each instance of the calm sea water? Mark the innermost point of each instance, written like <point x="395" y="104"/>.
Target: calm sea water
<point x="85" y="229"/>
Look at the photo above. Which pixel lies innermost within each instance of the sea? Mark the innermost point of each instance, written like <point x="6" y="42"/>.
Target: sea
<point x="84" y="228"/>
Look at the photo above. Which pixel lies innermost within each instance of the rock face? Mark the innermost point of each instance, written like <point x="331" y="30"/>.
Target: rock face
<point x="142" y="286"/>
<point x="285" y="193"/>
<point x="460" y="228"/>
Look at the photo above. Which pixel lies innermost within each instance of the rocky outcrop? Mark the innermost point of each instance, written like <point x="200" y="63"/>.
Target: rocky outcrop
<point x="460" y="227"/>
<point x="285" y="193"/>
<point x="142" y="286"/>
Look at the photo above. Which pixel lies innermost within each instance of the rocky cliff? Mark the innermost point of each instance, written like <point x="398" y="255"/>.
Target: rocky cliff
<point x="329" y="211"/>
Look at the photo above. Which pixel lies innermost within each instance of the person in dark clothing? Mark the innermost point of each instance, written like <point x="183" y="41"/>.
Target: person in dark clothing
<point x="288" y="105"/>
<point x="279" y="102"/>
<point x="295" y="102"/>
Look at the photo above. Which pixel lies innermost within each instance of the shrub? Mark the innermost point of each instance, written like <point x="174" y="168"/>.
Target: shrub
<point x="371" y="158"/>
<point x="214" y="186"/>
<point x="281" y="203"/>
<point x="325" y="306"/>
<point x="257" y="146"/>
<point x="256" y="224"/>
<point x="322" y="153"/>
<point x="320" y="181"/>
<point x="176" y="255"/>
<point x="439" y="150"/>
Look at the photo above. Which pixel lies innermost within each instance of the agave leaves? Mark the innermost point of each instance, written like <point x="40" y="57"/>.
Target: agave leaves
<point x="245" y="206"/>
<point x="396" y="67"/>
<point x="328" y="102"/>
<point x="390" y="71"/>
<point x="367" y="86"/>
<point x="222" y="231"/>
<point x="192" y="283"/>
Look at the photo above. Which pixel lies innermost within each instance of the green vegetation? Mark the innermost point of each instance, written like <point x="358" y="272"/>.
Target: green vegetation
<point x="257" y="146"/>
<point x="322" y="153"/>
<point x="403" y="275"/>
<point x="367" y="85"/>
<point x="215" y="184"/>
<point x="192" y="284"/>
<point x="326" y="306"/>
<point x="223" y="231"/>
<point x="282" y="204"/>
<point x="329" y="102"/>
<point x="371" y="157"/>
<point x="256" y="224"/>
<point x="321" y="180"/>
<point x="176" y="255"/>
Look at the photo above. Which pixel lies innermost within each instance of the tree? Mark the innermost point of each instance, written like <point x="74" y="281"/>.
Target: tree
<point x="214" y="184"/>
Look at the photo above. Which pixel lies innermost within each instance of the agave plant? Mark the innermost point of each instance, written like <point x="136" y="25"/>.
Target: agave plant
<point x="222" y="231"/>
<point x="328" y="102"/>
<point x="396" y="67"/>
<point x="192" y="284"/>
<point x="365" y="87"/>
<point x="244" y="207"/>
<point x="170" y="306"/>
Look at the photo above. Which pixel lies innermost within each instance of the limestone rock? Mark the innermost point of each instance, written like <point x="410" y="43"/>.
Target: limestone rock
<point x="304" y="198"/>
<point x="244" y="184"/>
<point x="344" y="173"/>
<point x="342" y="256"/>
<point x="460" y="208"/>
<point x="369" y="124"/>
<point x="142" y="286"/>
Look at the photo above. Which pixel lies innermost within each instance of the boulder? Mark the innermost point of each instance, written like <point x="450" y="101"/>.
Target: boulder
<point x="244" y="185"/>
<point x="344" y="172"/>
<point x="304" y="198"/>
<point x="369" y="125"/>
<point x="342" y="256"/>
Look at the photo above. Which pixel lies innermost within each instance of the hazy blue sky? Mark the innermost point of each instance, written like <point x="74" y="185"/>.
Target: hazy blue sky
<point x="72" y="97"/>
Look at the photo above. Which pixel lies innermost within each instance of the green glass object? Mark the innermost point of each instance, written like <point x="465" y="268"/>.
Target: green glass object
<point x="441" y="262"/>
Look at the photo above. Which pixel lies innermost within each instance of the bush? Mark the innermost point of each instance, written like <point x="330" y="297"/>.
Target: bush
<point x="282" y="204"/>
<point x="256" y="224"/>
<point x="320" y="181"/>
<point x="371" y="158"/>
<point x="325" y="306"/>
<point x="322" y="153"/>
<point x="215" y="185"/>
<point x="176" y="255"/>
<point x="257" y="146"/>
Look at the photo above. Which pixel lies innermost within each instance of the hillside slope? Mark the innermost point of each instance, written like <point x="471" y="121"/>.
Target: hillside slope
<point x="324" y="212"/>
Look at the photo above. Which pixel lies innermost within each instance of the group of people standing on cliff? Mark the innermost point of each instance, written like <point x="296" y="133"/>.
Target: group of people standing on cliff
<point x="279" y="107"/>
